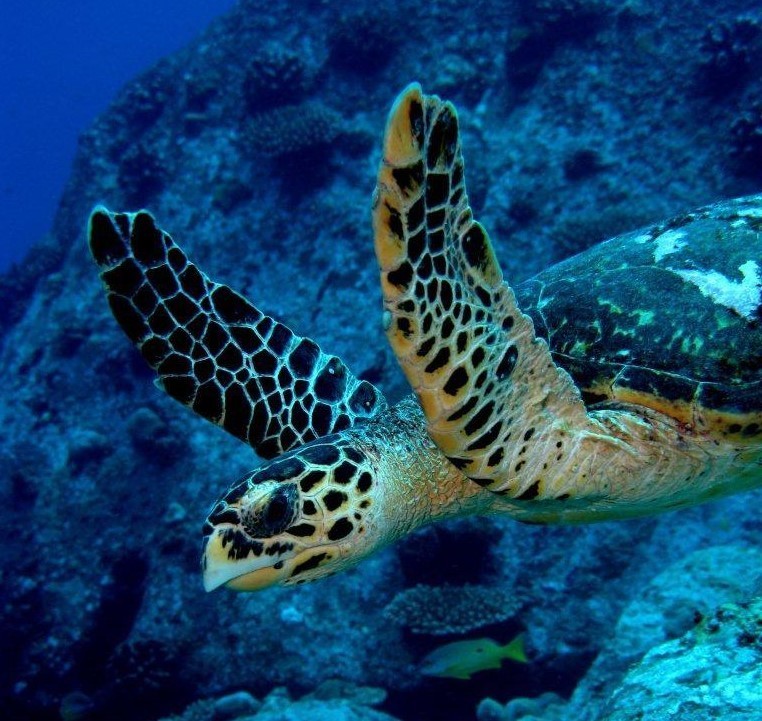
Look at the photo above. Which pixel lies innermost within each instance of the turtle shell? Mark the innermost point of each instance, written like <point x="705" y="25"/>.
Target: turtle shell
<point x="668" y="317"/>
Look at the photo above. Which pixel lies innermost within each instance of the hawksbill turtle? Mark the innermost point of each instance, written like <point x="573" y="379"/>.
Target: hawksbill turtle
<point x="624" y="381"/>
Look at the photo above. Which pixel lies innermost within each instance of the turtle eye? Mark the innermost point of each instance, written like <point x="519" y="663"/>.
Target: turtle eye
<point x="272" y="514"/>
<point x="276" y="510"/>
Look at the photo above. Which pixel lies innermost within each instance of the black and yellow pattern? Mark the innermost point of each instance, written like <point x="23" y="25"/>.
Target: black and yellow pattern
<point x="217" y="353"/>
<point x="490" y="390"/>
<point x="288" y="521"/>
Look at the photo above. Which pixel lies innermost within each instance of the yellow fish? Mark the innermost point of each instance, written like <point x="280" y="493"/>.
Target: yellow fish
<point x="463" y="658"/>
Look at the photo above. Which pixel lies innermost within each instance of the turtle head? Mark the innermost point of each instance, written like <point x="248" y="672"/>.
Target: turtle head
<point x="305" y="515"/>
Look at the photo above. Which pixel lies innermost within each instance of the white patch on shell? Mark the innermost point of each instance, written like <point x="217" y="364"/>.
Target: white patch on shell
<point x="744" y="298"/>
<point x="667" y="243"/>
<point x="753" y="211"/>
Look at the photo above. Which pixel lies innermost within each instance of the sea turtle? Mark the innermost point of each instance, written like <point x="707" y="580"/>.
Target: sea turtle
<point x="624" y="381"/>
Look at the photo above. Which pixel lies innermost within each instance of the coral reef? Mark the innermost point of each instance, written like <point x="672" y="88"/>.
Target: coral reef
<point x="360" y="42"/>
<point x="144" y="101"/>
<point x="746" y="135"/>
<point x="332" y="700"/>
<point x="728" y="53"/>
<point x="142" y="175"/>
<point x="275" y="76"/>
<point x="458" y="553"/>
<point x="583" y="163"/>
<point x="714" y="671"/>
<point x="547" y="707"/>
<point x="18" y="284"/>
<point x="575" y="234"/>
<point x="691" y="616"/>
<point x="290" y="138"/>
<point x="543" y="26"/>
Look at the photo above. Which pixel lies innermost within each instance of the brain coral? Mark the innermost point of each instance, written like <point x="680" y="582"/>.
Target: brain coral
<point x="443" y="610"/>
<point x="292" y="129"/>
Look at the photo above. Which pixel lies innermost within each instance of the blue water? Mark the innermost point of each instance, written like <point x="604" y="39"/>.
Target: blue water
<point x="62" y="63"/>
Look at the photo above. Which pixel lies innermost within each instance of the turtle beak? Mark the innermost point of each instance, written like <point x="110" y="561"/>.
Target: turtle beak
<point x="221" y="568"/>
<point x="216" y="567"/>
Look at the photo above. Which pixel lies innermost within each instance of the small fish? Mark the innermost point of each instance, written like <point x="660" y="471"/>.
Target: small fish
<point x="463" y="658"/>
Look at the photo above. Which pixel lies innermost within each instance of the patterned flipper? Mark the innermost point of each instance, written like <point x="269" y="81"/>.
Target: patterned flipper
<point x="214" y="351"/>
<point x="489" y="388"/>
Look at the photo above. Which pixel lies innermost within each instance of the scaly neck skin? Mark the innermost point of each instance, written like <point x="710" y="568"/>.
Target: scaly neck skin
<point x="622" y="463"/>
<point x="417" y="485"/>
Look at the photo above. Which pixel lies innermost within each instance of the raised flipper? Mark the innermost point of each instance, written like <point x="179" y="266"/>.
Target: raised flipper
<point x="493" y="397"/>
<point x="214" y="351"/>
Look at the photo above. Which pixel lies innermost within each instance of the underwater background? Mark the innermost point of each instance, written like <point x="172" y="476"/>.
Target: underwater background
<point x="61" y="65"/>
<point x="256" y="146"/>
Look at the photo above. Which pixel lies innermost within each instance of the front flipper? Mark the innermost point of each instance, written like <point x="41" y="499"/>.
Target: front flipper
<point x="214" y="351"/>
<point x="494" y="399"/>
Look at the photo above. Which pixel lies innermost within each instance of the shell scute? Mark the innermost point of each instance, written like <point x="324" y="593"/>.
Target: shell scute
<point x="668" y="317"/>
